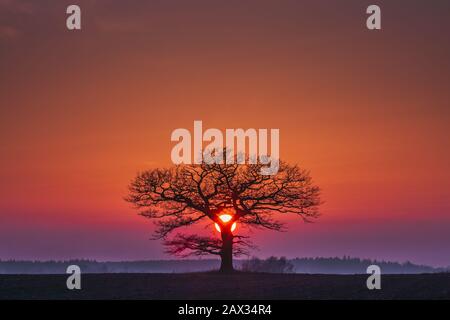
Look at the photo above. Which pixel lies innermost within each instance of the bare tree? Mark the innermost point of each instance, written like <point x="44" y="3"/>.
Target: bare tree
<point x="187" y="194"/>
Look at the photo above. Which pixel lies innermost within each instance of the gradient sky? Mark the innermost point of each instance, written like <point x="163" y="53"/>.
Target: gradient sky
<point x="366" y="111"/>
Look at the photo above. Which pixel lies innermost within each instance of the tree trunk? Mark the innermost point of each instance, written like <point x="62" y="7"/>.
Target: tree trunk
<point x="226" y="255"/>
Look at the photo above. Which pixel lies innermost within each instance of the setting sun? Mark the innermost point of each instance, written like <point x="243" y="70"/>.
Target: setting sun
<point x="225" y="219"/>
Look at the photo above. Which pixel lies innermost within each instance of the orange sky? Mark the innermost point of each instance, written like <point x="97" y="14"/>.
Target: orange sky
<point x="366" y="112"/>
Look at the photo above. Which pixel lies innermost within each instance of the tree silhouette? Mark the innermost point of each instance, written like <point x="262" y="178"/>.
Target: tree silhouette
<point x="187" y="194"/>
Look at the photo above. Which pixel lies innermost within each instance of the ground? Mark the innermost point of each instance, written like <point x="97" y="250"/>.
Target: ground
<point x="217" y="286"/>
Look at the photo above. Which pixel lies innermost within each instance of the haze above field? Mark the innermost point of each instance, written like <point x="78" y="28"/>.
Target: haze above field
<point x="345" y="265"/>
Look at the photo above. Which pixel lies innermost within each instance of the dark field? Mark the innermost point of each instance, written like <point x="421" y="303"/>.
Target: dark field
<point x="217" y="286"/>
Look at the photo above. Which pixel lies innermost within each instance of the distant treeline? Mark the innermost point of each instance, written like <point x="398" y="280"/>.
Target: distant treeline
<point x="92" y="266"/>
<point x="348" y="265"/>
<point x="344" y="265"/>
